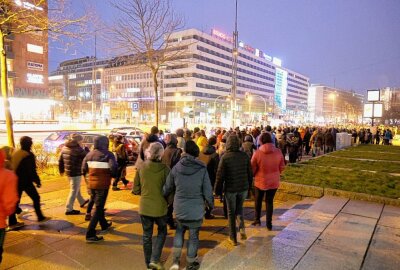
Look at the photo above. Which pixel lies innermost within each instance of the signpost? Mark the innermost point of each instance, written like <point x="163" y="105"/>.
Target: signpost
<point x="373" y="109"/>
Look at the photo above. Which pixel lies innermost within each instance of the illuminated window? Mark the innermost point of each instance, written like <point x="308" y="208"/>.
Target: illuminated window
<point x="35" y="48"/>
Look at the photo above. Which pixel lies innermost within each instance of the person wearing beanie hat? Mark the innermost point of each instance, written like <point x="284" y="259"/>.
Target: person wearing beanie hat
<point x="24" y="165"/>
<point x="70" y="163"/>
<point x="191" y="184"/>
<point x="8" y="197"/>
<point x="122" y="160"/>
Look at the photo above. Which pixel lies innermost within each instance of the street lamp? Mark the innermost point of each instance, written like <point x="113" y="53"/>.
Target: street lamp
<point x="94" y="93"/>
<point x="215" y="105"/>
<point x="250" y="97"/>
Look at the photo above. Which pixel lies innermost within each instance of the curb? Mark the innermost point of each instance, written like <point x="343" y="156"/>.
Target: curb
<point x="288" y="191"/>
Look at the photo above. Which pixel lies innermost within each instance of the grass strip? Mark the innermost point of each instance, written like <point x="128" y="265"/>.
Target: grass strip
<point x="366" y="155"/>
<point x="357" y="165"/>
<point x="375" y="148"/>
<point x="380" y="184"/>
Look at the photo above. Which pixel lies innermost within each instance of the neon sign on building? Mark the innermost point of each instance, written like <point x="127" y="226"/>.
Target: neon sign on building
<point x="242" y="45"/>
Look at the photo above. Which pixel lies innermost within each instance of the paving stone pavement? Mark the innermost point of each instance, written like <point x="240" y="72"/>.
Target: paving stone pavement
<point x="330" y="233"/>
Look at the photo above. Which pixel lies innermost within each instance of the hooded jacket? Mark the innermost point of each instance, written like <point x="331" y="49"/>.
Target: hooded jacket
<point x="234" y="170"/>
<point x="148" y="183"/>
<point x="71" y="157"/>
<point x="189" y="179"/>
<point x="8" y="191"/>
<point x="100" y="164"/>
<point x="267" y="164"/>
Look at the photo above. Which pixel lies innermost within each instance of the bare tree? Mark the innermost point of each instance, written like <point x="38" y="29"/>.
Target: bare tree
<point x="144" y="29"/>
<point x="30" y="17"/>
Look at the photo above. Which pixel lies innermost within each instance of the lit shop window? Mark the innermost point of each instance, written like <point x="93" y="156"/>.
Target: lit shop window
<point x="34" y="78"/>
<point x="35" y="48"/>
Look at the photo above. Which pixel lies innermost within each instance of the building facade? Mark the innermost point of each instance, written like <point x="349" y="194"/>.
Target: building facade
<point x="332" y="105"/>
<point x="197" y="85"/>
<point x="27" y="67"/>
<point x="390" y="97"/>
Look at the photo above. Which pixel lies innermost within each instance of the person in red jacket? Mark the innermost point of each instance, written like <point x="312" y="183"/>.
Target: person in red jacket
<point x="267" y="164"/>
<point x="8" y="197"/>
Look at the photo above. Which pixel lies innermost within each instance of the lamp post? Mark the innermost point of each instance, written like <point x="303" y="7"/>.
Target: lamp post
<point x="215" y="105"/>
<point x="235" y="54"/>
<point x="250" y="97"/>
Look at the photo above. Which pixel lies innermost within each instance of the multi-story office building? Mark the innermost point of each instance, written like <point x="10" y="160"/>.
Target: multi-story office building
<point x="27" y="65"/>
<point x="332" y="105"/>
<point x="198" y="85"/>
<point x="76" y="84"/>
<point x="202" y="82"/>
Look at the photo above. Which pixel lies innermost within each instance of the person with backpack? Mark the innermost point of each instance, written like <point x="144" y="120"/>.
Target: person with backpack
<point x="210" y="158"/>
<point x="170" y="158"/>
<point x="121" y="156"/>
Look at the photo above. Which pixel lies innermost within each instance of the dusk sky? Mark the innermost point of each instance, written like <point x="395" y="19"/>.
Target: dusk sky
<point x="354" y="44"/>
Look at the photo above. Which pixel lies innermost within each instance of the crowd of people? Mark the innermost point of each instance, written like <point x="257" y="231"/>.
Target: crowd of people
<point x="178" y="176"/>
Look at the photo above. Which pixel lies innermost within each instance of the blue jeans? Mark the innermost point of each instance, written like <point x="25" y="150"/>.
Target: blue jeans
<point x="99" y="196"/>
<point x="75" y="192"/>
<point x="234" y="201"/>
<point x="153" y="253"/>
<point x="192" y="245"/>
<point x="2" y="235"/>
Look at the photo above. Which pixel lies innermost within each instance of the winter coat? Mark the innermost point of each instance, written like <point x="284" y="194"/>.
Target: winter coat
<point x="171" y="156"/>
<point x="24" y="165"/>
<point x="8" y="191"/>
<point x="329" y="139"/>
<point x="234" y="170"/>
<point x="71" y="157"/>
<point x="181" y="143"/>
<point x="191" y="184"/>
<point x="210" y="158"/>
<point x="248" y="148"/>
<point x="121" y="154"/>
<point x="149" y="182"/>
<point x="267" y="164"/>
<point x="100" y="164"/>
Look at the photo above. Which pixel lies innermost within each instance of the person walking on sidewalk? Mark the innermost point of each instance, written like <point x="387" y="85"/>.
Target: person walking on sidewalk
<point x="70" y="163"/>
<point x="191" y="184"/>
<point x="8" y="197"/>
<point x="234" y="176"/>
<point x="24" y="164"/>
<point x="171" y="157"/>
<point x="210" y="158"/>
<point x="267" y="164"/>
<point x="101" y="166"/>
<point x="122" y="161"/>
<point x="148" y="183"/>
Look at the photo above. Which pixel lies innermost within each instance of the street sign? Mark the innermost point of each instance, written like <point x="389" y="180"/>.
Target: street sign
<point x="135" y="106"/>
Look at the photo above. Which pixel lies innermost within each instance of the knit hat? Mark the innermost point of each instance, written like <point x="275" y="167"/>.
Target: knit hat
<point x="192" y="149"/>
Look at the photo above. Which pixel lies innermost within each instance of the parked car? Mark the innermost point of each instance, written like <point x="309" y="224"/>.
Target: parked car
<point x="127" y="131"/>
<point x="132" y="144"/>
<point x="56" y="140"/>
<point x="88" y="139"/>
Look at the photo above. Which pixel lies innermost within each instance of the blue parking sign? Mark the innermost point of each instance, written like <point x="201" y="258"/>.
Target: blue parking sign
<point x="135" y="106"/>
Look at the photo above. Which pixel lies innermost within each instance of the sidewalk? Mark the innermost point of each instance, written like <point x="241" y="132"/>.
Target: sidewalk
<point x="329" y="233"/>
<point x="60" y="243"/>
